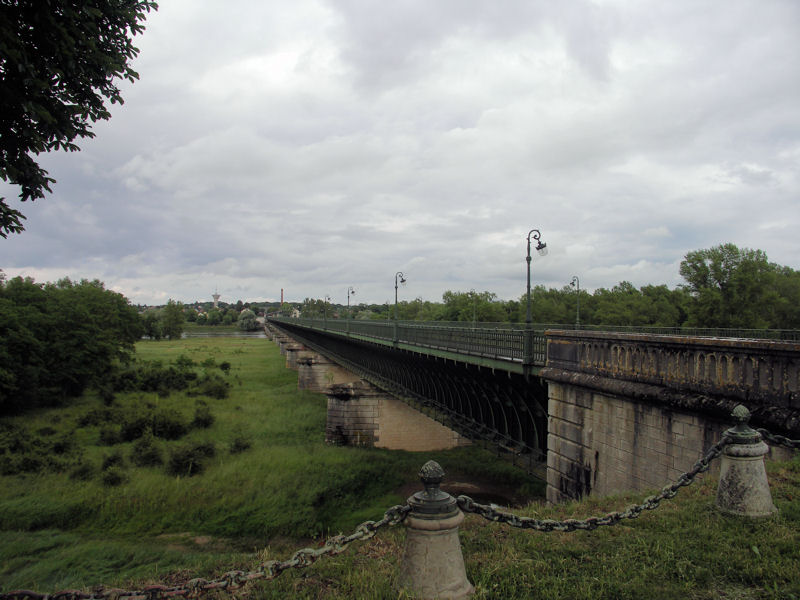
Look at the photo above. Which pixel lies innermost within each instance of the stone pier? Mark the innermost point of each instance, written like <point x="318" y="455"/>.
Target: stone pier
<point x="359" y="414"/>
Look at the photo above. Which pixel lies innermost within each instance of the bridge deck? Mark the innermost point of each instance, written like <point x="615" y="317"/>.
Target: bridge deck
<point x="496" y="347"/>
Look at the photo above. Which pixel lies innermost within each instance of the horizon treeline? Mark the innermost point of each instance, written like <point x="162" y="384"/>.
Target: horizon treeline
<point x="724" y="287"/>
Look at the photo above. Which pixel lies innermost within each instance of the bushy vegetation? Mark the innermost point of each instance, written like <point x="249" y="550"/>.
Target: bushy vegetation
<point x="259" y="473"/>
<point x="113" y="518"/>
<point x="57" y="339"/>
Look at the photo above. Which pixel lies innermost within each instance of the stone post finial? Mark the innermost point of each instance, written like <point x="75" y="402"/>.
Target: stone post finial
<point x="433" y="566"/>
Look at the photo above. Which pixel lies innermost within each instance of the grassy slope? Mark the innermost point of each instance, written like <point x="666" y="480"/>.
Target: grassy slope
<point x="290" y="488"/>
<point x="56" y="532"/>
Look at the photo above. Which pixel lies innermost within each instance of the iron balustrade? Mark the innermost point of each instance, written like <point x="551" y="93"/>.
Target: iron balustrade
<point x="505" y="343"/>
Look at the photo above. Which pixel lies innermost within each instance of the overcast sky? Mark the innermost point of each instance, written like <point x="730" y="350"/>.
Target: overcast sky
<point x="314" y="145"/>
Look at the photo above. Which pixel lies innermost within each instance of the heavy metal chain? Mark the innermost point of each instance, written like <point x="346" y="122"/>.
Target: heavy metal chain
<point x="778" y="440"/>
<point x="467" y="504"/>
<point x="233" y="579"/>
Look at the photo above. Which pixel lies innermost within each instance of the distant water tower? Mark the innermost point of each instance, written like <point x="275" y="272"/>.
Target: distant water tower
<point x="215" y="296"/>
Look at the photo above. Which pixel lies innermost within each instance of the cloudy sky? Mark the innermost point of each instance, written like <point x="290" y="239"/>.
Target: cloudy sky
<point x="314" y="145"/>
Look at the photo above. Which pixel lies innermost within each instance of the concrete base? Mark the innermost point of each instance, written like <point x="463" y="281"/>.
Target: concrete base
<point x="743" y="487"/>
<point x="433" y="566"/>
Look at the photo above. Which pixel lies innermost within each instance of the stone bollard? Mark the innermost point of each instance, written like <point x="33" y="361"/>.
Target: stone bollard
<point x="743" y="488"/>
<point x="433" y="566"/>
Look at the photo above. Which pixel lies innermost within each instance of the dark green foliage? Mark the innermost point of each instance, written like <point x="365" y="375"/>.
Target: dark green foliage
<point x="225" y="367"/>
<point x="172" y="319"/>
<point x="126" y="424"/>
<point x="111" y="435"/>
<point x="114" y="476"/>
<point x="153" y="376"/>
<point x="184" y="363"/>
<point x="23" y="451"/>
<point x="115" y="459"/>
<point x="739" y="287"/>
<point x="190" y="459"/>
<point x="202" y="415"/>
<point x="247" y="320"/>
<point x="168" y="424"/>
<point x="212" y="385"/>
<point x="82" y="472"/>
<point x="145" y="452"/>
<point x="60" y="64"/>
<point x="57" y="339"/>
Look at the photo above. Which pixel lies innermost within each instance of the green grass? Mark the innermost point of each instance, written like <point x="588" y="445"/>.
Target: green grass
<point x="290" y="490"/>
<point x="289" y="485"/>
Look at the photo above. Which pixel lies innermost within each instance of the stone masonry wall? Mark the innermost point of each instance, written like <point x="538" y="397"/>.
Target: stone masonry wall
<point x="600" y="444"/>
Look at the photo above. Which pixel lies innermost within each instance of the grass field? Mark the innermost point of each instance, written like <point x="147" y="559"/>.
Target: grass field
<point x="290" y="490"/>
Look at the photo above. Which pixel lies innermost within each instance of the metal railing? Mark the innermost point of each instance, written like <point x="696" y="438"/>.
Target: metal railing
<point x="504" y="343"/>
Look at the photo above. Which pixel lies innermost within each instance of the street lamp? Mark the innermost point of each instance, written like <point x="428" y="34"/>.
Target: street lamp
<point x="350" y="292"/>
<point x="474" y="296"/>
<point x="325" y="301"/>
<point x="402" y="279"/>
<point x="541" y="248"/>
<point x="576" y="283"/>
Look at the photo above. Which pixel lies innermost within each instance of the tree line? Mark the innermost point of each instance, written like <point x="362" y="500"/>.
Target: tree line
<point x="724" y="287"/>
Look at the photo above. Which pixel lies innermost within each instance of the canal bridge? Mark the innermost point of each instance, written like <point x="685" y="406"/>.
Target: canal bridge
<point x="592" y="411"/>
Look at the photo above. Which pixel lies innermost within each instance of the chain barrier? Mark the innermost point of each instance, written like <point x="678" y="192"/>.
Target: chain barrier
<point x="395" y="515"/>
<point x="778" y="440"/>
<point x="233" y="579"/>
<point x="468" y="505"/>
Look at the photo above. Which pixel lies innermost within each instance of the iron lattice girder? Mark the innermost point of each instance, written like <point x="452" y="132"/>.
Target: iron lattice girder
<point x="479" y="402"/>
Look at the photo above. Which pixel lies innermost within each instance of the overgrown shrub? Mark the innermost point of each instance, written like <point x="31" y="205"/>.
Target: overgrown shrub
<point x="110" y="435"/>
<point x="115" y="459"/>
<point x="114" y="476"/>
<point x="83" y="472"/>
<point x="134" y="425"/>
<point x="190" y="459"/>
<point x="225" y="367"/>
<point x="168" y="424"/>
<point x="212" y="385"/>
<point x="96" y="416"/>
<point x="22" y="451"/>
<point x="202" y="415"/>
<point x="145" y="452"/>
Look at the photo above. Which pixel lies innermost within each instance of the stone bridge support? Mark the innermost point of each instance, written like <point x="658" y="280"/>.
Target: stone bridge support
<point x="633" y="412"/>
<point x="359" y="413"/>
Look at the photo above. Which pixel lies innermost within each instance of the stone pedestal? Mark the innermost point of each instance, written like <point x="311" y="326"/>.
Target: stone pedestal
<point x="743" y="487"/>
<point x="433" y="566"/>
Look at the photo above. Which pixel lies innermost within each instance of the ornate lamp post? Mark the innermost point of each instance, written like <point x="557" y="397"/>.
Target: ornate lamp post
<point x="325" y="301"/>
<point x="541" y="248"/>
<point x="399" y="275"/>
<point x="527" y="349"/>
<point x="576" y="283"/>
<point x="350" y="292"/>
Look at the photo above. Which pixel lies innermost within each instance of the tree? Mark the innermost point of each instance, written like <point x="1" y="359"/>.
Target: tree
<point x="214" y="317"/>
<point x="59" y="62"/>
<point x="151" y="325"/>
<point x="730" y="287"/>
<point x="172" y="320"/>
<point x="58" y="338"/>
<point x="247" y="320"/>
